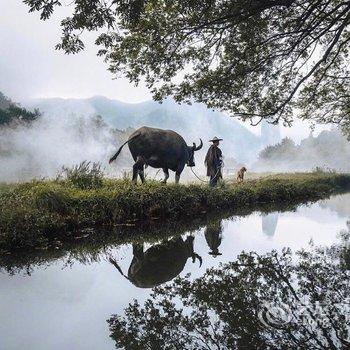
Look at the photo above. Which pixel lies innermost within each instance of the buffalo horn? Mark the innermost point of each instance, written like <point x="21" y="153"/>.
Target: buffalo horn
<point x="199" y="147"/>
<point x="196" y="256"/>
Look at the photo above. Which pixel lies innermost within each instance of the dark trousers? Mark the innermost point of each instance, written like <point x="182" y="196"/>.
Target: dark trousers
<point x="214" y="179"/>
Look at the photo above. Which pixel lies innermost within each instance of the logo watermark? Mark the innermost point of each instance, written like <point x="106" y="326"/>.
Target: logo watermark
<point x="275" y="315"/>
<point x="280" y="315"/>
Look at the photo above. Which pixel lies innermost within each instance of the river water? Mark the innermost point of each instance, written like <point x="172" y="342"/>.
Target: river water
<point x="65" y="303"/>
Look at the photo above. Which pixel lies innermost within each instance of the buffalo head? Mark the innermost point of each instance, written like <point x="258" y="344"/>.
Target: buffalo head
<point x="191" y="150"/>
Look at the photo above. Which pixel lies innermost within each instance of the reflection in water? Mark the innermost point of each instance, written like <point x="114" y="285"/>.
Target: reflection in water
<point x="257" y="300"/>
<point x="160" y="263"/>
<point x="213" y="236"/>
<point x="95" y="248"/>
<point x="264" y="301"/>
<point x="269" y="223"/>
<point x="344" y="252"/>
<point x="338" y="204"/>
<point x="100" y="244"/>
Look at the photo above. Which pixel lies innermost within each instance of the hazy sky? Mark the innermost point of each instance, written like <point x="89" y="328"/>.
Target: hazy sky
<point x="31" y="67"/>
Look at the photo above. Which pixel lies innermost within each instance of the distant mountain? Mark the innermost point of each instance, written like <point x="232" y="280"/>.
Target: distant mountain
<point x="192" y="122"/>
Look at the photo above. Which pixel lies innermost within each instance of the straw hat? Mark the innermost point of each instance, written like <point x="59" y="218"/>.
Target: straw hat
<point x="215" y="139"/>
<point x="215" y="253"/>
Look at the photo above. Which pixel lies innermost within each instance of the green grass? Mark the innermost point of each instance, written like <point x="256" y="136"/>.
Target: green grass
<point x="35" y="213"/>
<point x="5" y="187"/>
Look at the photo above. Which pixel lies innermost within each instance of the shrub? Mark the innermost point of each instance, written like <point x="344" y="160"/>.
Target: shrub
<point x="86" y="175"/>
<point x="323" y="170"/>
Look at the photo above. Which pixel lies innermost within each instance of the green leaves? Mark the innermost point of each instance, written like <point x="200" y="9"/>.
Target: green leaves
<point x="84" y="175"/>
<point x="46" y="7"/>
<point x="254" y="59"/>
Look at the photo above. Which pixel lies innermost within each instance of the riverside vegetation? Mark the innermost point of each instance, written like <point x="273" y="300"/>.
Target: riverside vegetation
<point x="94" y="245"/>
<point x="36" y="213"/>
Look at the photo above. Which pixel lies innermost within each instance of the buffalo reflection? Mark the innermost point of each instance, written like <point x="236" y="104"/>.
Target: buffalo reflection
<point x="160" y="263"/>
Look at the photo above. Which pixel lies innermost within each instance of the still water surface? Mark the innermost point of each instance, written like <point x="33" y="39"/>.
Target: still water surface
<point x="63" y="306"/>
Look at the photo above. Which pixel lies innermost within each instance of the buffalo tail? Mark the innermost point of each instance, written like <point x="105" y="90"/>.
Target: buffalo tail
<point x="121" y="147"/>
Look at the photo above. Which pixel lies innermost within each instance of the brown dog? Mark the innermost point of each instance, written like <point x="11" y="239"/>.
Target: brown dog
<point x="240" y="174"/>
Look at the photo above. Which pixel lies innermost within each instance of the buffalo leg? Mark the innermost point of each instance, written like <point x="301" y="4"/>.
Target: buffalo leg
<point x="177" y="177"/>
<point x="178" y="173"/>
<point x="142" y="174"/>
<point x="137" y="251"/>
<point x="166" y="175"/>
<point x="137" y="169"/>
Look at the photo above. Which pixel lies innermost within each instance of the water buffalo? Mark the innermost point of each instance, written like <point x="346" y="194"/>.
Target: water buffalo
<point x="159" y="148"/>
<point x="160" y="263"/>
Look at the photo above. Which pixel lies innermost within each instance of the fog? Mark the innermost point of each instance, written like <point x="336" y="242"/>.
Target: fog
<point x="31" y="67"/>
<point x="41" y="149"/>
<point x="330" y="150"/>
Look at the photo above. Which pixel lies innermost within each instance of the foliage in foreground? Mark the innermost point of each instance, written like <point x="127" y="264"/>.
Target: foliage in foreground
<point x="270" y="301"/>
<point x="35" y="213"/>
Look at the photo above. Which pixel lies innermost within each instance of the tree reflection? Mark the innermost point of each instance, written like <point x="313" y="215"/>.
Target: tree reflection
<point x="270" y="301"/>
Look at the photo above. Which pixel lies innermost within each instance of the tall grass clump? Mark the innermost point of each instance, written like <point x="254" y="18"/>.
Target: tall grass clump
<point x="85" y="175"/>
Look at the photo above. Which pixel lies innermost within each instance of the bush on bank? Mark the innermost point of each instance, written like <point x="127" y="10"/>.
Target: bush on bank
<point x="37" y="212"/>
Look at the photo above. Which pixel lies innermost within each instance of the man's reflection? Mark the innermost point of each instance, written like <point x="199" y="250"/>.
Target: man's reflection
<point x="159" y="263"/>
<point x="269" y="223"/>
<point x="213" y="236"/>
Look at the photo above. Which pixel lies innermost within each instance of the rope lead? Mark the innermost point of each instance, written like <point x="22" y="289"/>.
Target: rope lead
<point x="222" y="165"/>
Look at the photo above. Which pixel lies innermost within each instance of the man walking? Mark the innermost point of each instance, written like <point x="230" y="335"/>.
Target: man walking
<point x="213" y="162"/>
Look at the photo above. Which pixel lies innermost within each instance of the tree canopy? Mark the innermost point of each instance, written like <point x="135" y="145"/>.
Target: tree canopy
<point x="257" y="59"/>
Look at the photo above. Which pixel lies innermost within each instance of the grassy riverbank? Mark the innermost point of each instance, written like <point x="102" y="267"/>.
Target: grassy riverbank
<point x="33" y="214"/>
<point x="95" y="245"/>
